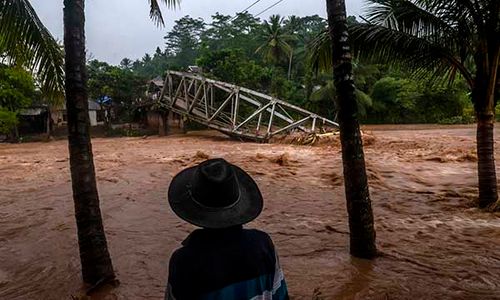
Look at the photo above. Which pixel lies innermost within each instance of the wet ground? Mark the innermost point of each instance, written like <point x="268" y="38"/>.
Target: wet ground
<point x="434" y="243"/>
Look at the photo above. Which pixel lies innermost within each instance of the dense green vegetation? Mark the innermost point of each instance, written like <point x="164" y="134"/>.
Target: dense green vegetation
<point x="118" y="83"/>
<point x="17" y="90"/>
<point x="274" y="57"/>
<point x="440" y="39"/>
<point x="26" y="42"/>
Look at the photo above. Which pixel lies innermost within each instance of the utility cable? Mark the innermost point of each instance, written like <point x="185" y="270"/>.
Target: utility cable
<point x="278" y="2"/>
<point x="246" y="9"/>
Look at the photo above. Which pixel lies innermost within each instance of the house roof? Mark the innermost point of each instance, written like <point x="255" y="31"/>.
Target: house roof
<point x="32" y="111"/>
<point x="94" y="105"/>
<point x="194" y="69"/>
<point x="158" y="81"/>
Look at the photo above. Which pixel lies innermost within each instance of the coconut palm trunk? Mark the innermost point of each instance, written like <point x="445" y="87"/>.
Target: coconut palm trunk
<point x="95" y="260"/>
<point x="483" y="94"/>
<point x="362" y="231"/>
<point x="290" y="60"/>
<point x="440" y="39"/>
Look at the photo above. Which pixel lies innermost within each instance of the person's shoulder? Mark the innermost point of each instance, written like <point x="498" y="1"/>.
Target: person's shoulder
<point x="185" y="248"/>
<point x="256" y="232"/>
<point x="177" y="254"/>
<point x="258" y="235"/>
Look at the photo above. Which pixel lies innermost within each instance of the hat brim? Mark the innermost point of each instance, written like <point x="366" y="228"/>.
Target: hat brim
<point x="248" y="207"/>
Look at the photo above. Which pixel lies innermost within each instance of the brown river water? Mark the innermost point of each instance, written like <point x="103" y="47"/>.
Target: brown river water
<point x="434" y="243"/>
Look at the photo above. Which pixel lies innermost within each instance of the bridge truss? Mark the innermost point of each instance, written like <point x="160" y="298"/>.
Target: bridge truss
<point x="236" y="111"/>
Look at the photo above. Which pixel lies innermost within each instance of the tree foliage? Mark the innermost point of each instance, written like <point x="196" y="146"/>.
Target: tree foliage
<point x="183" y="42"/>
<point x="17" y="90"/>
<point x="276" y="48"/>
<point x="225" y="48"/>
<point x="24" y="41"/>
<point x="444" y="39"/>
<point x="8" y="121"/>
<point x="116" y="86"/>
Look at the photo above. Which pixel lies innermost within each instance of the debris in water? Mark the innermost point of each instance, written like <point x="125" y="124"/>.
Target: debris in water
<point x="282" y="160"/>
<point x="200" y="155"/>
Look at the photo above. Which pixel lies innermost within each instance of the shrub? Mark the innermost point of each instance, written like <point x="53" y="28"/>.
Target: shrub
<point x="8" y="121"/>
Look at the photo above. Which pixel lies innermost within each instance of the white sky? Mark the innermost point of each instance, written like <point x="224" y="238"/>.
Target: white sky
<point x="121" y="28"/>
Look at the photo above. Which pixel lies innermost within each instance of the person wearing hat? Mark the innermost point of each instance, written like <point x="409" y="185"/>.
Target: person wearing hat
<point x="222" y="260"/>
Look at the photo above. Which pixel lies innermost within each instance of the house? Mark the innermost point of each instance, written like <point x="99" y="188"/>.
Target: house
<point x="146" y="110"/>
<point x="194" y="69"/>
<point x="97" y="115"/>
<point x="34" y="120"/>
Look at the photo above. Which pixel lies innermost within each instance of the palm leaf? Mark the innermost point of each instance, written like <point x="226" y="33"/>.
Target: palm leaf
<point x="432" y="20"/>
<point x="275" y="47"/>
<point x="407" y="16"/>
<point x="419" y="55"/>
<point x="155" y="10"/>
<point x="320" y="52"/>
<point x="25" y="41"/>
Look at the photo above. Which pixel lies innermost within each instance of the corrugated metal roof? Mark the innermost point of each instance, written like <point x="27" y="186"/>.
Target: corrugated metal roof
<point x="94" y="105"/>
<point x="31" y="111"/>
<point x="158" y="81"/>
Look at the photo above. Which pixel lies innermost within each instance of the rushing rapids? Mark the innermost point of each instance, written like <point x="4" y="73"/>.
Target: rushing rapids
<point x="433" y="242"/>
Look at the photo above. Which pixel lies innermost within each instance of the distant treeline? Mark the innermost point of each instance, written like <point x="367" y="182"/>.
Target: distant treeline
<point x="274" y="56"/>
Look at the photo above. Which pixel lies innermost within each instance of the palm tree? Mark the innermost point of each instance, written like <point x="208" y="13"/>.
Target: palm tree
<point x="24" y="41"/>
<point x="276" y="48"/>
<point x="96" y="262"/>
<point x="362" y="231"/>
<point x="443" y="38"/>
<point x="95" y="259"/>
<point x="327" y="92"/>
<point x="291" y="26"/>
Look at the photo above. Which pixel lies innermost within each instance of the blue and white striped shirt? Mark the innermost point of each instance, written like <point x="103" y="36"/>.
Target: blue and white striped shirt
<point x="230" y="264"/>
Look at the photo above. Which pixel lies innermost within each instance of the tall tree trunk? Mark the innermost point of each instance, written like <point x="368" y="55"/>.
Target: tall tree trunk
<point x="483" y="95"/>
<point x="362" y="231"/>
<point x="488" y="193"/>
<point x="15" y="134"/>
<point x="290" y="66"/>
<point x="48" y="123"/>
<point x="95" y="260"/>
<point x="162" y="123"/>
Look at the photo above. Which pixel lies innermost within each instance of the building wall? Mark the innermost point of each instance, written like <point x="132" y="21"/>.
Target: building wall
<point x="174" y="120"/>
<point x="153" y="119"/>
<point x="93" y="117"/>
<point x="59" y="118"/>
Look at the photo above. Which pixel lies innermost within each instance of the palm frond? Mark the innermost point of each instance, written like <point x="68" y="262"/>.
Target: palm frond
<point x="473" y="10"/>
<point x="155" y="10"/>
<point x="432" y="20"/>
<point x="26" y="41"/>
<point x="421" y="56"/>
<point x="320" y="52"/>
<point x="407" y="16"/>
<point x="326" y="92"/>
<point x="275" y="47"/>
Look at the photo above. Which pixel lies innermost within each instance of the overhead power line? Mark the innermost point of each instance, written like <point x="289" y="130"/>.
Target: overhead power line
<point x="246" y="9"/>
<point x="253" y="4"/>
<point x="278" y="2"/>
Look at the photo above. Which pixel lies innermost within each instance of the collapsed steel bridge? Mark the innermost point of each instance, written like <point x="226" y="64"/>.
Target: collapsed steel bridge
<point x="236" y="111"/>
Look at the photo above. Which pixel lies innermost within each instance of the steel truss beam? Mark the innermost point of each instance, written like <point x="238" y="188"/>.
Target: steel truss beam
<point x="236" y="111"/>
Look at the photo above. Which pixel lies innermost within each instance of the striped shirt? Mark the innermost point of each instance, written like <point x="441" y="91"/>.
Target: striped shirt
<point x="232" y="263"/>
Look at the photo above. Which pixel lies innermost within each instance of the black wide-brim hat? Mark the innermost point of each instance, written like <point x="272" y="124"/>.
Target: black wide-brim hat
<point x="215" y="194"/>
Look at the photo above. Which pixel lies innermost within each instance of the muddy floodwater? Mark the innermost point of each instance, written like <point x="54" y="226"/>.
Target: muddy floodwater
<point x="434" y="244"/>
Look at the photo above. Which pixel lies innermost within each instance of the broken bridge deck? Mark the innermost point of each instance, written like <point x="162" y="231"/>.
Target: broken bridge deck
<point x="236" y="111"/>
